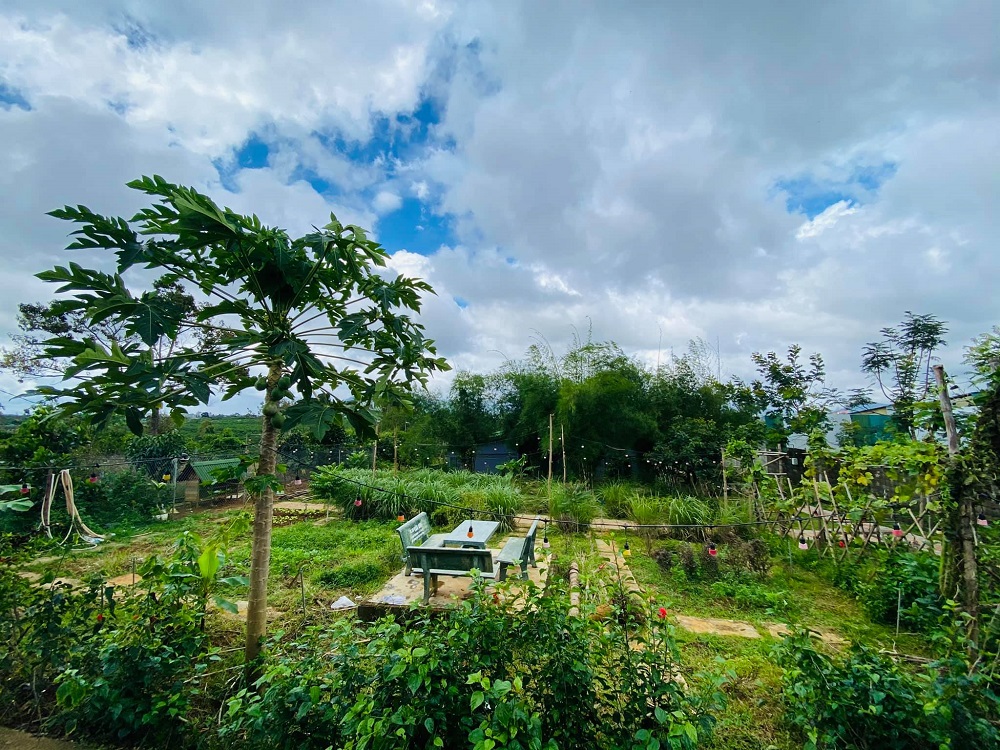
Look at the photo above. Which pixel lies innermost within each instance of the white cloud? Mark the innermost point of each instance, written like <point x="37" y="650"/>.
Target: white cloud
<point x="616" y="164"/>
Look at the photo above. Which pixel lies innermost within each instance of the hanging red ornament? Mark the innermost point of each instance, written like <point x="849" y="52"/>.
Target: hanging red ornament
<point x="470" y="533"/>
<point x="841" y="543"/>
<point x="896" y="531"/>
<point x="803" y="544"/>
<point x="357" y="502"/>
<point x="712" y="550"/>
<point x="982" y="520"/>
<point x="24" y="488"/>
<point x="401" y="518"/>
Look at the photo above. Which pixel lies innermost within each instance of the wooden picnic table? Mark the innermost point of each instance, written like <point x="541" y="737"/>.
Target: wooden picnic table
<point x="481" y="533"/>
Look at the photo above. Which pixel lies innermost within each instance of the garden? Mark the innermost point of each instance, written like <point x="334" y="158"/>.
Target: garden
<point x="693" y="589"/>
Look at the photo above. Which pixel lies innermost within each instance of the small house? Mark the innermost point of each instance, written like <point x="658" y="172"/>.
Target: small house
<point x="490" y="455"/>
<point x="203" y="475"/>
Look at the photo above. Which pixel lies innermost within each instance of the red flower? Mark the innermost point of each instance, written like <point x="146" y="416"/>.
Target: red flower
<point x="662" y="612"/>
<point x="100" y="617"/>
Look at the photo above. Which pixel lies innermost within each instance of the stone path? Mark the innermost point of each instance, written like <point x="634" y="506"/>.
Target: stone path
<point x="712" y="626"/>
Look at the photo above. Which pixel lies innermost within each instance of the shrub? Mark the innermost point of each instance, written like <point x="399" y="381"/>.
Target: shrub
<point x="646" y="512"/>
<point x="906" y="581"/>
<point x="538" y="677"/>
<point x="688" y="562"/>
<point x="751" y="594"/>
<point x="572" y="505"/>
<point x="616" y="496"/>
<point x="867" y="701"/>
<point x="123" y="496"/>
<point x="685" y="511"/>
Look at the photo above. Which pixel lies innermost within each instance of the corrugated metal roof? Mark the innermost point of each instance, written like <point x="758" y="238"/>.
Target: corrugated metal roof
<point x="205" y="470"/>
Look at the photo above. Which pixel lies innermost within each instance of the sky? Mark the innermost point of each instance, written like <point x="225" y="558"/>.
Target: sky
<point x="754" y="174"/>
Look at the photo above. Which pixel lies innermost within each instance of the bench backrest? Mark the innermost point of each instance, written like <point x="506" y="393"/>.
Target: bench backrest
<point x="451" y="558"/>
<point x="414" y="532"/>
<point x="530" y="537"/>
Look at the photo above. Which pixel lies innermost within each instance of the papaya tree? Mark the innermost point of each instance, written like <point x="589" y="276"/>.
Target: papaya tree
<point x="308" y="321"/>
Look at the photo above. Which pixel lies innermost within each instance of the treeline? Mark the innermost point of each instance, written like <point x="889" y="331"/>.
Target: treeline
<point x="611" y="415"/>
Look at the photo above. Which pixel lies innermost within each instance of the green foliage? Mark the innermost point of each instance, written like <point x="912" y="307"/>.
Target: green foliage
<point x="572" y="505"/>
<point x="899" y="582"/>
<point x="794" y="395"/>
<point x="128" y="496"/>
<point x="461" y="678"/>
<point x="865" y="700"/>
<point x="353" y="575"/>
<point x="616" y="495"/>
<point x="386" y="495"/>
<point x="749" y="593"/>
<point x="114" y="663"/>
<point x="901" y="362"/>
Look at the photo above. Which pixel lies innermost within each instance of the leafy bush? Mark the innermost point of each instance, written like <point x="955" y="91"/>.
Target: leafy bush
<point x="867" y="701"/>
<point x="751" y="557"/>
<point x="119" y="665"/>
<point x="572" y="505"/>
<point x="154" y="454"/>
<point x="122" y="496"/>
<point x="748" y="593"/>
<point x="646" y="512"/>
<point x="907" y="581"/>
<point x="477" y="675"/>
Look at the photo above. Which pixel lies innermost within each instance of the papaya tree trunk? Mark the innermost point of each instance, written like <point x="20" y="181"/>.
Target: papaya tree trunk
<point x="260" y="559"/>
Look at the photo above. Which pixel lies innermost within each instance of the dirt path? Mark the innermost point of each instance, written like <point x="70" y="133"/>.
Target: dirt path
<point x="11" y="739"/>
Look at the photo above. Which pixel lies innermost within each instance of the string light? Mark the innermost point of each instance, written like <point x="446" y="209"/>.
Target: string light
<point x="166" y="476"/>
<point x="545" y="536"/>
<point x="401" y="517"/>
<point x="470" y="533"/>
<point x="712" y="550"/>
<point x="298" y="480"/>
<point x="982" y="520"/>
<point x="93" y="474"/>
<point x="357" y="501"/>
<point x="803" y="544"/>
<point x="896" y="531"/>
<point x="24" y="488"/>
<point x="841" y="543"/>
<point x="626" y="550"/>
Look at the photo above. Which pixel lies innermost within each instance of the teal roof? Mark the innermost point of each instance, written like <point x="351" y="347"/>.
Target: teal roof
<point x="205" y="470"/>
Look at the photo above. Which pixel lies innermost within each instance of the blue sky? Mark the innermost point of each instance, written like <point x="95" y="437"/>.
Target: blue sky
<point x="750" y="176"/>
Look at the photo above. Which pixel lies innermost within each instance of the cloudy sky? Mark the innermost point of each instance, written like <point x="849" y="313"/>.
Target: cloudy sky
<point x="755" y="174"/>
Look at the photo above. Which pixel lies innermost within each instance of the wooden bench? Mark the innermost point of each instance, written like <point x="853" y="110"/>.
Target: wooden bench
<point x="417" y="533"/>
<point x="519" y="551"/>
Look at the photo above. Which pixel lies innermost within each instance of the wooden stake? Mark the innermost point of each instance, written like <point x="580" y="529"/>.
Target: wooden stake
<point x="549" y="486"/>
<point x="562" y="439"/>
<point x="725" y="485"/>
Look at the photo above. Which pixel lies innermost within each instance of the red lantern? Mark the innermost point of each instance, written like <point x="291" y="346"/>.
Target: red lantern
<point x="896" y="531"/>
<point x="298" y="480"/>
<point x="357" y="502"/>
<point x="712" y="550"/>
<point x="982" y="521"/>
<point x="401" y="518"/>
<point x="24" y="488"/>
<point x="802" y="542"/>
<point x="470" y="533"/>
